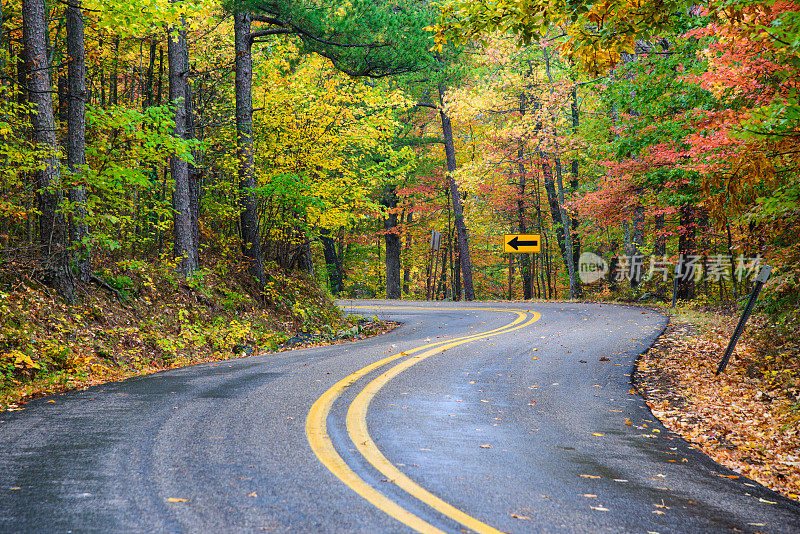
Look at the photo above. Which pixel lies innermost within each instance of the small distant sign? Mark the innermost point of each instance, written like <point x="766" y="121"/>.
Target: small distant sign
<point x="436" y="240"/>
<point x="515" y="243"/>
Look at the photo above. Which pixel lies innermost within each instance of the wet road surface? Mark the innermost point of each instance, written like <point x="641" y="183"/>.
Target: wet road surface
<point x="521" y="430"/>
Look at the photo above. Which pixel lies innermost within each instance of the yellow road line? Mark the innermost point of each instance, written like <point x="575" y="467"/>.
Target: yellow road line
<point x="320" y="441"/>
<point x="357" y="428"/>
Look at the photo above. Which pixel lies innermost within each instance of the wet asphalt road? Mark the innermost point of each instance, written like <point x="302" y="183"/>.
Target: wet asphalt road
<point x="514" y="430"/>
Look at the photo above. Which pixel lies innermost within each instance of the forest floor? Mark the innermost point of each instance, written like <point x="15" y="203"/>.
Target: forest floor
<point x="748" y="417"/>
<point x="140" y="318"/>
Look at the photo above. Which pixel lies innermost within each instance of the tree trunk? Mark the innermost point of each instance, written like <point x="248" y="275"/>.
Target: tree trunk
<point x="525" y="263"/>
<point x="185" y="246"/>
<point x="332" y="261"/>
<point x="76" y="135"/>
<point x="407" y="268"/>
<point x="159" y="88"/>
<point x="54" y="258"/>
<point x="148" y="99"/>
<point x="195" y="174"/>
<point x="686" y="247"/>
<point x="392" y="239"/>
<point x="250" y="234"/>
<point x="660" y="246"/>
<point x="461" y="228"/>
<point x="114" y="80"/>
<point x="574" y="284"/>
<point x="573" y="181"/>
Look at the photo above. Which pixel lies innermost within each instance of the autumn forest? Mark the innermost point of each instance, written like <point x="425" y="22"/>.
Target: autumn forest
<point x="292" y="143"/>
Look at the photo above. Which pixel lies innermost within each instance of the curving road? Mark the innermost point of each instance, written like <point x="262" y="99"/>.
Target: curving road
<point x="480" y="417"/>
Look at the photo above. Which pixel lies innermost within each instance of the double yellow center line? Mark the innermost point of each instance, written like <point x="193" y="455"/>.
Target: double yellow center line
<point x="320" y="441"/>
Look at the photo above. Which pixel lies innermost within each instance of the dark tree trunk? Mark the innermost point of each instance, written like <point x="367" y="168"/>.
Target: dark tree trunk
<point x="525" y="263"/>
<point x="573" y="181"/>
<point x="392" y="238"/>
<point x="407" y="268"/>
<point x="55" y="259"/>
<point x="552" y="202"/>
<point x="159" y="88"/>
<point x="250" y="232"/>
<point x="76" y="135"/>
<point x="195" y="175"/>
<point x="148" y="99"/>
<point x="686" y="247"/>
<point x="461" y="228"/>
<point x="660" y="246"/>
<point x="184" y="248"/>
<point x="114" y="80"/>
<point x="332" y="261"/>
<point x="574" y="284"/>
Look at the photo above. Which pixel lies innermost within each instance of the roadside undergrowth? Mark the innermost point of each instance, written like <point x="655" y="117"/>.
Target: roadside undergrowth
<point x="139" y="318"/>
<point x="748" y="417"/>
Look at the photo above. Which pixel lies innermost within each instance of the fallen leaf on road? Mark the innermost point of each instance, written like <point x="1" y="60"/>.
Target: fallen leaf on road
<point x="583" y="361"/>
<point x="176" y="499"/>
<point x="590" y="495"/>
<point x="732" y="477"/>
<point x="604" y="359"/>
<point x="589" y="476"/>
<point x="14" y="488"/>
<point x="598" y="434"/>
<point x="515" y="516"/>
<point x="661" y="476"/>
<point x="659" y="512"/>
<point x="628" y="422"/>
<point x="487" y="446"/>
<point x="254" y="494"/>
<point x="599" y="508"/>
<point x="766" y="501"/>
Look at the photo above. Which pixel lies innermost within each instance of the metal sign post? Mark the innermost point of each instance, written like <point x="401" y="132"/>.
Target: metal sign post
<point x="763" y="275"/>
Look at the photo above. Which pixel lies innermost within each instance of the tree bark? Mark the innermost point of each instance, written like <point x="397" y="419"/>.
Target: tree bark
<point x="148" y="88"/>
<point x="159" y="87"/>
<point x="574" y="284"/>
<point x="458" y="213"/>
<point x="392" y="239"/>
<point x="114" y="80"/>
<point x="54" y="255"/>
<point x="332" y="261"/>
<point x="195" y="174"/>
<point x="525" y="263"/>
<point x="250" y="232"/>
<point x="686" y="247"/>
<point x="660" y="246"/>
<point x="184" y="244"/>
<point x="76" y="135"/>
<point x="407" y="268"/>
<point x="573" y="181"/>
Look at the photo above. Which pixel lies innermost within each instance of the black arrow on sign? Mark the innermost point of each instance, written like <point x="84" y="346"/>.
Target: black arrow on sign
<point x="516" y="243"/>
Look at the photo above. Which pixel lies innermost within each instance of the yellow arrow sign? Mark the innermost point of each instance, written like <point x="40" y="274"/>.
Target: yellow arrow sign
<point x="522" y="243"/>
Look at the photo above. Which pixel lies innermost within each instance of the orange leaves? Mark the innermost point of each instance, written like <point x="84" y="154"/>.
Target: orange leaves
<point x="725" y="417"/>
